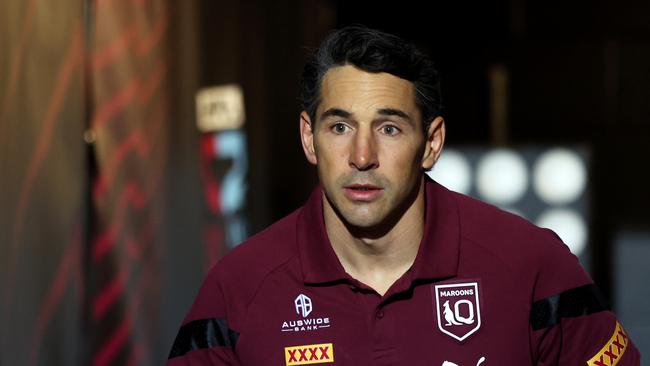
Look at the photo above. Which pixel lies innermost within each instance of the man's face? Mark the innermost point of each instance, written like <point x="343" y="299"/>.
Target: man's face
<point x="368" y="144"/>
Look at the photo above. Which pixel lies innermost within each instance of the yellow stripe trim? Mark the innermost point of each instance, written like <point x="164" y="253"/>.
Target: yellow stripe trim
<point x="613" y="350"/>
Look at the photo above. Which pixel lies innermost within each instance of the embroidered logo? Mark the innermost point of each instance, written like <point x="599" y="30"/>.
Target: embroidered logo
<point x="458" y="309"/>
<point x="309" y="354"/>
<point x="304" y="307"/>
<point x="448" y="363"/>
<point x="613" y="350"/>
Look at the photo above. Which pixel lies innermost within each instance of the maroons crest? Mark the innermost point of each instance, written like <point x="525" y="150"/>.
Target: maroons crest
<point x="458" y="309"/>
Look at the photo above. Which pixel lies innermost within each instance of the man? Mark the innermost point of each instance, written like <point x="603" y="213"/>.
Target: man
<point x="383" y="266"/>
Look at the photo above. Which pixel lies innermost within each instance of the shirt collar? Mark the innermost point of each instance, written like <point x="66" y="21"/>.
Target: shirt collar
<point x="437" y="255"/>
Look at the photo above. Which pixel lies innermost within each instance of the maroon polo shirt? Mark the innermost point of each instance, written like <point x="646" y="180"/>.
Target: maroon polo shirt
<point x="486" y="288"/>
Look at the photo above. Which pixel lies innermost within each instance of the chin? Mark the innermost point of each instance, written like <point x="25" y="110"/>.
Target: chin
<point x="363" y="220"/>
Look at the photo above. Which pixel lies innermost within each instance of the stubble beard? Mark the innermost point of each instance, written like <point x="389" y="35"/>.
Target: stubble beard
<point x="389" y="208"/>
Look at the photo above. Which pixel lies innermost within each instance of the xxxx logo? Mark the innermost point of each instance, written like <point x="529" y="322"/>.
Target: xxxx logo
<point x="309" y="354"/>
<point x="613" y="350"/>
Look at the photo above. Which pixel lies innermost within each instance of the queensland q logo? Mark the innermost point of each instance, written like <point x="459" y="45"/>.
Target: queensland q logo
<point x="458" y="309"/>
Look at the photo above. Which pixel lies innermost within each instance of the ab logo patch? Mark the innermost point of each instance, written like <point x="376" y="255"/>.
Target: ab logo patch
<point x="458" y="309"/>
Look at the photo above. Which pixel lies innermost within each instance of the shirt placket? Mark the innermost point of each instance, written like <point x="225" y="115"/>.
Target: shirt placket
<point x="381" y="327"/>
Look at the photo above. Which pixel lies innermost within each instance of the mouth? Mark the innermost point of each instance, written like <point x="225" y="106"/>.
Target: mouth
<point x="362" y="192"/>
<point x="362" y="187"/>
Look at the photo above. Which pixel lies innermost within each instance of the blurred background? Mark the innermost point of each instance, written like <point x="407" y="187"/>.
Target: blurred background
<point x="141" y="140"/>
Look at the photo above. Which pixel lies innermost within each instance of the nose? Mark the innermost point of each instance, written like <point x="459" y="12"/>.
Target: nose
<point x="363" y="154"/>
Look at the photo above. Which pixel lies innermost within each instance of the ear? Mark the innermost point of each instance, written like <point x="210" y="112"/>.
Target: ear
<point x="435" y="140"/>
<point x="307" y="137"/>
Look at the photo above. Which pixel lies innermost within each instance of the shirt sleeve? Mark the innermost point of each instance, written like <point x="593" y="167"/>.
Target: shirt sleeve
<point x="205" y="337"/>
<point x="570" y="321"/>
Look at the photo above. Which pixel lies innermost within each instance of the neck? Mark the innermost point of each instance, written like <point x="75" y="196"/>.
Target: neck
<point x="378" y="261"/>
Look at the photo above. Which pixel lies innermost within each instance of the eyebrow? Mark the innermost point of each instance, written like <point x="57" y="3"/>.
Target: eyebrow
<point x="335" y="112"/>
<point x="393" y="112"/>
<point x="338" y="112"/>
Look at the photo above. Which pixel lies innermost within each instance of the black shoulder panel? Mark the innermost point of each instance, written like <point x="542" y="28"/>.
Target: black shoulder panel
<point x="203" y="333"/>
<point x="579" y="301"/>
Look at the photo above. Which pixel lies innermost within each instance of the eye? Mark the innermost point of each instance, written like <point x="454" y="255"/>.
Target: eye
<point x="390" y="130"/>
<point x="339" y="128"/>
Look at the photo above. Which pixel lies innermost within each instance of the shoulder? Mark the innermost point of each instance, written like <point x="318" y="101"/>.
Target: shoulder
<point x="232" y="283"/>
<point x="252" y="261"/>
<point x="524" y="249"/>
<point x="483" y="222"/>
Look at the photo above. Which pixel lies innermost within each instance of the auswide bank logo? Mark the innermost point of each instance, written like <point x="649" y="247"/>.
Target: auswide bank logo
<point x="309" y="354"/>
<point x="458" y="309"/>
<point x="304" y="307"/>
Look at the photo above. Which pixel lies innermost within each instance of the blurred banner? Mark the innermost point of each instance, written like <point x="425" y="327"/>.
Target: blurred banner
<point x="112" y="204"/>
<point x="83" y="119"/>
<point x="127" y="135"/>
<point x="42" y="182"/>
<point x="223" y="165"/>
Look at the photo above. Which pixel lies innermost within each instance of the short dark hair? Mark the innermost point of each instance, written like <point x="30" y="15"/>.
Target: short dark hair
<point x="374" y="51"/>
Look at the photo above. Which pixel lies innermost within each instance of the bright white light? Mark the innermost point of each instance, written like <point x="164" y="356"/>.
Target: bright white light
<point x="502" y="177"/>
<point x="559" y="176"/>
<point x="569" y="225"/>
<point x="452" y="171"/>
